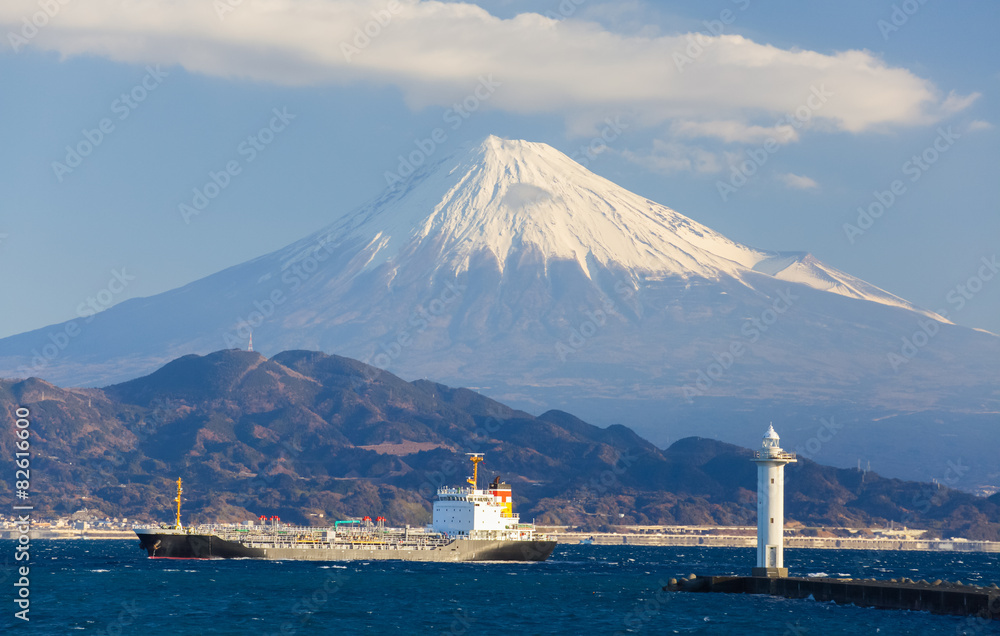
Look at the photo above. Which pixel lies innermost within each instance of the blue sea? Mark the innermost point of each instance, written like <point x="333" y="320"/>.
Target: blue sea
<point x="110" y="587"/>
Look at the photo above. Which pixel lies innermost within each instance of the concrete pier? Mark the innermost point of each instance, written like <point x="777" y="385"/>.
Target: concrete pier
<point x="938" y="598"/>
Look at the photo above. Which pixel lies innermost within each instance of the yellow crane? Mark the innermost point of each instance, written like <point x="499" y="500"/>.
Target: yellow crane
<point x="178" y="500"/>
<point x="475" y="458"/>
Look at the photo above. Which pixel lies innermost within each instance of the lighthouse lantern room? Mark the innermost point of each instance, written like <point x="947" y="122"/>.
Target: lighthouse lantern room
<point x="771" y="460"/>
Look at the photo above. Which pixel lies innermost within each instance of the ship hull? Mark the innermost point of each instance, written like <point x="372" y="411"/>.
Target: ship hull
<point x="174" y="545"/>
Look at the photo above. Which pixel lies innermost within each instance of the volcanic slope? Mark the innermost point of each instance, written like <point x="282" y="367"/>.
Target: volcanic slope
<point x="508" y="267"/>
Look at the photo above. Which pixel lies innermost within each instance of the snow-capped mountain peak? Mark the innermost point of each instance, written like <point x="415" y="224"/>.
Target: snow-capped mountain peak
<point x="506" y="266"/>
<point x="506" y="197"/>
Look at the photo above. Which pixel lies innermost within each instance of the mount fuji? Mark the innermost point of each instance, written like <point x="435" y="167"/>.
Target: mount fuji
<point x="509" y="268"/>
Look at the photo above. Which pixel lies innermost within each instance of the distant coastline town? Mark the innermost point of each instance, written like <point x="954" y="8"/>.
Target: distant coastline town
<point x="80" y="525"/>
<point x="796" y="536"/>
<point x="86" y="525"/>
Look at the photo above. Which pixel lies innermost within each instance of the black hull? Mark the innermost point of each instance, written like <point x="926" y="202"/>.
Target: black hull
<point x="205" y="546"/>
<point x="195" y="546"/>
<point x="517" y="551"/>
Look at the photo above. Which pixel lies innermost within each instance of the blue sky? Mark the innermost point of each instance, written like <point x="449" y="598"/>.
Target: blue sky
<point x="185" y="89"/>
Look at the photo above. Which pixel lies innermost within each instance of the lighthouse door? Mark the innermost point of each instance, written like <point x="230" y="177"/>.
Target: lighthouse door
<point x="772" y="556"/>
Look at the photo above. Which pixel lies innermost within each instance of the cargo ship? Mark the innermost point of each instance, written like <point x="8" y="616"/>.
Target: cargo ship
<point x="468" y="524"/>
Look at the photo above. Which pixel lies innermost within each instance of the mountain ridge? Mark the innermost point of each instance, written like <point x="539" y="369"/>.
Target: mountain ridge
<point x="312" y="437"/>
<point x="498" y="266"/>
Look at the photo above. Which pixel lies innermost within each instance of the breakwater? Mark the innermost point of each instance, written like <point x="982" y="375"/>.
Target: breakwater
<point x="938" y="597"/>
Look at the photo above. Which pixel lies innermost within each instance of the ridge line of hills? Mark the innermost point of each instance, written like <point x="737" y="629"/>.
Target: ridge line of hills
<point x="312" y="437"/>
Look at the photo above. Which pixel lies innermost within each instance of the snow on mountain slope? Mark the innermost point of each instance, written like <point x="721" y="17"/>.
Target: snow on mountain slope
<point x="503" y="196"/>
<point x="802" y="267"/>
<point x="507" y="265"/>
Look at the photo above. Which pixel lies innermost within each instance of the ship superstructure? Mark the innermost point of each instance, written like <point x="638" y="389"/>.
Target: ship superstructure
<point x="468" y="524"/>
<point x="479" y="514"/>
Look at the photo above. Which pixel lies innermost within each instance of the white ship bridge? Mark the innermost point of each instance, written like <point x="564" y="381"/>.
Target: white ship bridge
<point x="479" y="514"/>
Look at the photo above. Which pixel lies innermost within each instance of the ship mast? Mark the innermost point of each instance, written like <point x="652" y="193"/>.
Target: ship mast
<point x="178" y="500"/>
<point x="475" y="458"/>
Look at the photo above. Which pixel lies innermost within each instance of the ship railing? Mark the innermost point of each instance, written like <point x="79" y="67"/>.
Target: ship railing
<point x="311" y="537"/>
<point x="450" y="490"/>
<point x="266" y="542"/>
<point x="309" y="533"/>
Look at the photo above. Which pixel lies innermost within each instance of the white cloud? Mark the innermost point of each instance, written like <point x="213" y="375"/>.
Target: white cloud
<point x="955" y="103"/>
<point x="734" y="131"/>
<point x="435" y="53"/>
<point x="797" y="181"/>
<point x="671" y="157"/>
<point x="978" y="125"/>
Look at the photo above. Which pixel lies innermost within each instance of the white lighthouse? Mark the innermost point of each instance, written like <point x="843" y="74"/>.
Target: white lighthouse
<point x="771" y="460"/>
